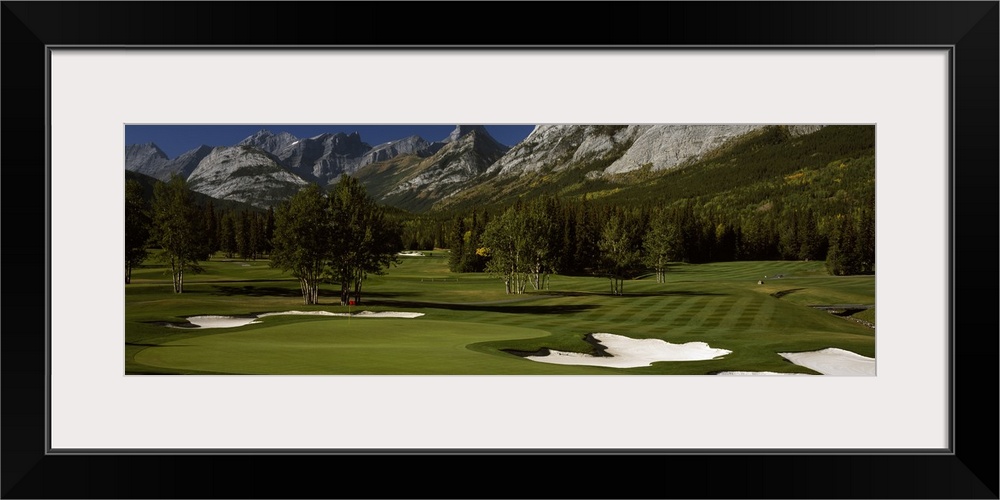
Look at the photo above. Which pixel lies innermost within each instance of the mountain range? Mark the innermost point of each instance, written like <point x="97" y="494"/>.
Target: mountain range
<point x="467" y="167"/>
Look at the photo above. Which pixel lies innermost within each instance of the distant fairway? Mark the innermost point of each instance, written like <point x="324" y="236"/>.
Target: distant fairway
<point x="469" y="321"/>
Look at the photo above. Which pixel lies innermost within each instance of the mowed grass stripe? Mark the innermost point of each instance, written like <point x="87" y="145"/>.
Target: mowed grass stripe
<point x="765" y="315"/>
<point x="720" y="304"/>
<point x="625" y="310"/>
<point x="704" y="314"/>
<point x="690" y="308"/>
<point x="735" y="317"/>
<point x="649" y="307"/>
<point x="678" y="313"/>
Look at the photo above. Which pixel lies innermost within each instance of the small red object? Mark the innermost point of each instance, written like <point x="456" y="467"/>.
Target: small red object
<point x="352" y="302"/>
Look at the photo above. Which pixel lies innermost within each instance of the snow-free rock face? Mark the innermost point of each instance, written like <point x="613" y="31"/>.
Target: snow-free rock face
<point x="184" y="164"/>
<point x="144" y="158"/>
<point x="667" y="146"/>
<point x="265" y="140"/>
<point x="560" y="156"/>
<point x="325" y="157"/>
<point x="798" y="130"/>
<point x="246" y="174"/>
<point x="559" y="147"/>
<point x="148" y="159"/>
<point x="413" y="144"/>
<point x="615" y="149"/>
<point x="466" y="167"/>
<point x="468" y="152"/>
<point x="462" y="130"/>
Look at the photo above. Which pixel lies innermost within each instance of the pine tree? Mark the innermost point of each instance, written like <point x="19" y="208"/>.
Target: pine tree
<point x="456" y="244"/>
<point x="211" y="236"/>
<point x="227" y="234"/>
<point x="137" y="227"/>
<point x="843" y="258"/>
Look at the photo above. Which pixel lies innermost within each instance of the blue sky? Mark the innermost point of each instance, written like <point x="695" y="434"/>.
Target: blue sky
<point x="175" y="140"/>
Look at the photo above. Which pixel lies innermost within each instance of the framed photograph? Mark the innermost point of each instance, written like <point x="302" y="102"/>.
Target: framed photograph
<point x="104" y="383"/>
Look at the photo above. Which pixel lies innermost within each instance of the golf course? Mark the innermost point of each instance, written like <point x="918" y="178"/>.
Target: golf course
<point x="421" y="319"/>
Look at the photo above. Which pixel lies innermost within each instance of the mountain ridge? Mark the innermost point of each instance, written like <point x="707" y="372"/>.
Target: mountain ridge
<point x="467" y="166"/>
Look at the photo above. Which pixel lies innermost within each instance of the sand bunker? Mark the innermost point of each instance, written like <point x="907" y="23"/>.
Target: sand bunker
<point x="759" y="373"/>
<point x="833" y="361"/>
<point x="830" y="361"/>
<point x="236" y="321"/>
<point x="627" y="352"/>
<point x="218" y="321"/>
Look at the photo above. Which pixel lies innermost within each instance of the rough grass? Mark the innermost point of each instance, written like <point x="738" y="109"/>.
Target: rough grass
<point x="469" y="321"/>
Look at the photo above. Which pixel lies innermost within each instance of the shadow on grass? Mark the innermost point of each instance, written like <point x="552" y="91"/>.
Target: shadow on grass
<point x="597" y="349"/>
<point x="165" y="371"/>
<point x="261" y="291"/>
<point x="781" y="293"/>
<point x="153" y="345"/>
<point x="675" y="293"/>
<point x="274" y="291"/>
<point x="495" y="308"/>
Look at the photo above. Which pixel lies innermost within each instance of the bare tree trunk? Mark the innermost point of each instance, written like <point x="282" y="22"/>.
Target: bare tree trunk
<point x="345" y="291"/>
<point x="357" y="291"/>
<point x="616" y="285"/>
<point x="536" y="276"/>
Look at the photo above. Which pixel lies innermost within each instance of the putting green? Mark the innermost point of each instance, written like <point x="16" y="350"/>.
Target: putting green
<point x="470" y="324"/>
<point x="358" y="347"/>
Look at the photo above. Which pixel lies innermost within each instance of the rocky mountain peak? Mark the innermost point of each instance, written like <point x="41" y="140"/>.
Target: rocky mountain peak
<point x="413" y="144"/>
<point x="144" y="158"/>
<point x="348" y="140"/>
<point x="267" y="141"/>
<point x="462" y="130"/>
<point x="144" y="150"/>
<point x="244" y="173"/>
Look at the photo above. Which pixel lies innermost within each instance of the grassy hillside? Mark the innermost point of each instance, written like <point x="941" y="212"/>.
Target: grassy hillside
<point x="763" y="165"/>
<point x="471" y="327"/>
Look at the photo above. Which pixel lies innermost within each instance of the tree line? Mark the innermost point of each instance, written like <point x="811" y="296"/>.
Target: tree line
<point x="342" y="236"/>
<point x="189" y="232"/>
<point x="531" y="240"/>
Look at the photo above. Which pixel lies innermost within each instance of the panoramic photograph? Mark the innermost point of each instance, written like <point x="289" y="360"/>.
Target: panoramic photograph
<point x="530" y="249"/>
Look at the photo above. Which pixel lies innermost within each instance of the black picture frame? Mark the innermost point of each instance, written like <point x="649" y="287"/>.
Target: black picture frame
<point x="970" y="29"/>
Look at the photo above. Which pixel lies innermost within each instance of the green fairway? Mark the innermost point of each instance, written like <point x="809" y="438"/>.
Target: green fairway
<point x="469" y="323"/>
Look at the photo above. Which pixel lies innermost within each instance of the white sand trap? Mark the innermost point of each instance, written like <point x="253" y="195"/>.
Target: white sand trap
<point x="411" y="254"/>
<point x="301" y="313"/>
<point x="833" y="361"/>
<point x="219" y="321"/>
<point x="233" y="321"/>
<point x="387" y="314"/>
<point x="759" y="373"/>
<point x="627" y="352"/>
